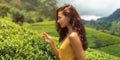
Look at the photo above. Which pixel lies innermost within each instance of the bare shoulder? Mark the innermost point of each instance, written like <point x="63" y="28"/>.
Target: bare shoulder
<point x="74" y="39"/>
<point x="73" y="36"/>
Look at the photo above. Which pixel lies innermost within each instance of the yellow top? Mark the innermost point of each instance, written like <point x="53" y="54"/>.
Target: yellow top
<point x="66" y="51"/>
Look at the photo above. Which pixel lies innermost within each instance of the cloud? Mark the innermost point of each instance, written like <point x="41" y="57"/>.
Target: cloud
<point x="93" y="7"/>
<point x="90" y="17"/>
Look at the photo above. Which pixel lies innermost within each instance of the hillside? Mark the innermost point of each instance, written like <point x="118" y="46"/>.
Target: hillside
<point x="115" y="16"/>
<point x="20" y="43"/>
<point x="103" y="41"/>
<point x="111" y="49"/>
<point x="99" y="39"/>
<point x="96" y="39"/>
<point x="109" y="24"/>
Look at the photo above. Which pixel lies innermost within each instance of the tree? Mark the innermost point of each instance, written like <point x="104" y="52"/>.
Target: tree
<point x="91" y="23"/>
<point x="16" y="3"/>
<point x="18" y="17"/>
<point x="4" y="9"/>
<point x="47" y="8"/>
<point x="115" y="27"/>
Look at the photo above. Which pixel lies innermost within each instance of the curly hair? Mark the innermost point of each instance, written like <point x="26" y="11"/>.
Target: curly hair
<point x="75" y="22"/>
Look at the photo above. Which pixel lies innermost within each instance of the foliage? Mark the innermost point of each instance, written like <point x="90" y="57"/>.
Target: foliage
<point x="47" y="8"/>
<point x="96" y="39"/>
<point x="99" y="39"/>
<point x="115" y="27"/>
<point x="17" y="17"/>
<point x="110" y="23"/>
<point x="92" y="54"/>
<point x="19" y="43"/>
<point x="39" y="19"/>
<point x="40" y="6"/>
<point x="4" y="9"/>
<point x="112" y="49"/>
<point x="23" y="44"/>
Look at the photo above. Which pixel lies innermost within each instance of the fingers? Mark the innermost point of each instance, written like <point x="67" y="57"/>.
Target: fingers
<point x="44" y="35"/>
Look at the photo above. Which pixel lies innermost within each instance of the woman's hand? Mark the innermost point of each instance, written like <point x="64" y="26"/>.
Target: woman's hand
<point x="47" y="38"/>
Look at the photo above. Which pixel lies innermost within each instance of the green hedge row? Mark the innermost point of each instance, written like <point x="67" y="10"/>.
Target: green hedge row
<point x="99" y="39"/>
<point x="19" y="43"/>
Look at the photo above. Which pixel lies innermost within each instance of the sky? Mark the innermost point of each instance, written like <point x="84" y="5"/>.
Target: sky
<point x="93" y="9"/>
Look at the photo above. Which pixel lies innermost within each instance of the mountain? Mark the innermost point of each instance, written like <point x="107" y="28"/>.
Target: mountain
<point x="110" y="23"/>
<point x="115" y="16"/>
<point x="84" y="21"/>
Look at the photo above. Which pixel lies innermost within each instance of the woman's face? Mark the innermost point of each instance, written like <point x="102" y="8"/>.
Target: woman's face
<point x="62" y="19"/>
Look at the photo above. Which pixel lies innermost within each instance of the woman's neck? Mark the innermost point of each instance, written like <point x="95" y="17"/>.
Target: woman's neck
<point x="70" y="30"/>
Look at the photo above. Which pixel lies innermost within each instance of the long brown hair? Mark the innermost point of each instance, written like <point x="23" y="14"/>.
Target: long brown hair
<point x="75" y="22"/>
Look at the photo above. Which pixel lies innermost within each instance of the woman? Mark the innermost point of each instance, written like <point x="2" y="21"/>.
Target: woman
<point x="72" y="34"/>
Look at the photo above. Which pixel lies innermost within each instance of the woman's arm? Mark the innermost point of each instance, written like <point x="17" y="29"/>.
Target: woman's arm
<point x="48" y="39"/>
<point x="77" y="46"/>
<point x="54" y="49"/>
